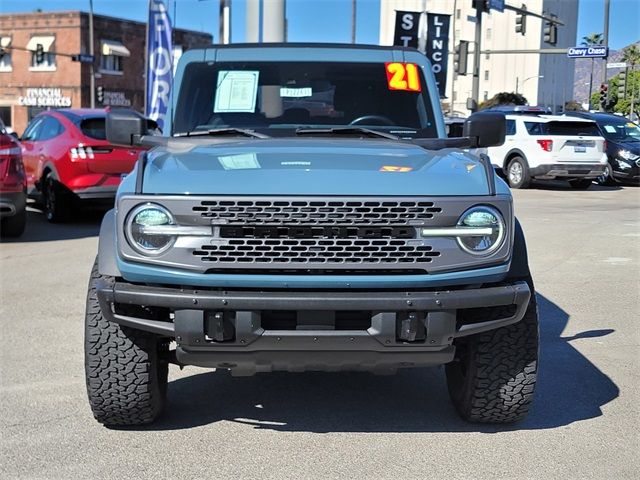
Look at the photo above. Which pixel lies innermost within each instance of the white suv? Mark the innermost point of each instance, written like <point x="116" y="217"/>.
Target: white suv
<point x="547" y="147"/>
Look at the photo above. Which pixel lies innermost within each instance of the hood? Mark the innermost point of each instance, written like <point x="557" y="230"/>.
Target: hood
<point x="303" y="166"/>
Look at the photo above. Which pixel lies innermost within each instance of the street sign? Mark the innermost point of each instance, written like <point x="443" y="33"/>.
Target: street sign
<point x="472" y="18"/>
<point x="83" y="58"/>
<point x="617" y="65"/>
<point x="496" y="5"/>
<point x="593" y="51"/>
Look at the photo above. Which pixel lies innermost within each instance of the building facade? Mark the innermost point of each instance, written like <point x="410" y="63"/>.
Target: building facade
<point x="31" y="82"/>
<point x="543" y="79"/>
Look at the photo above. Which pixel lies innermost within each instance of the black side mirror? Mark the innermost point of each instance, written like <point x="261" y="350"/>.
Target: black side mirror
<point x="486" y="129"/>
<point x="125" y="127"/>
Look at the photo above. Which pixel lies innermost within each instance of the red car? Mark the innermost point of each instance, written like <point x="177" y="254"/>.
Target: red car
<point x="67" y="158"/>
<point x="13" y="186"/>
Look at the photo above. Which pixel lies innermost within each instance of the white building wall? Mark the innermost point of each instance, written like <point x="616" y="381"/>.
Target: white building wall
<point x="500" y="72"/>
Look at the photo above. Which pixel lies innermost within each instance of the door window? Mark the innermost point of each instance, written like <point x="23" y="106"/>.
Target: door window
<point x="50" y="128"/>
<point x="31" y="132"/>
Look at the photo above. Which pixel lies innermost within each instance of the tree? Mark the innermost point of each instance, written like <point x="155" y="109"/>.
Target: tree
<point x="504" y="98"/>
<point x="573" y="106"/>
<point x="587" y="41"/>
<point x="631" y="56"/>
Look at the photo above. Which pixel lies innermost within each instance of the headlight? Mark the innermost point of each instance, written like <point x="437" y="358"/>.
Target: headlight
<point x="488" y="224"/>
<point x="627" y="155"/>
<point x="144" y="229"/>
<point x="624" y="164"/>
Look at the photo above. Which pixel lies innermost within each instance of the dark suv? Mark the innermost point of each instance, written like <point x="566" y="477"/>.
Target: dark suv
<point x="622" y="147"/>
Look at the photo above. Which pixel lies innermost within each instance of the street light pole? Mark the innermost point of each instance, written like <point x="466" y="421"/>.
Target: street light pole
<point x="92" y="75"/>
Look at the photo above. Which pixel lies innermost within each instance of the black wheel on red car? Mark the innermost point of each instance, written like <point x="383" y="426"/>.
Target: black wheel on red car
<point x="56" y="201"/>
<point x="126" y="369"/>
<point x="14" y="226"/>
<point x="493" y="377"/>
<point x="581" y="183"/>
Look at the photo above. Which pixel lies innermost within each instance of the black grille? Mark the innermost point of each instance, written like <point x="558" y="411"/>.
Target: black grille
<point x="317" y="252"/>
<point x="276" y="212"/>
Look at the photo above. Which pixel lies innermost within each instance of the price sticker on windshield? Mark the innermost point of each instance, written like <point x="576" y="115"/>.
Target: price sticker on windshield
<point x="403" y="76"/>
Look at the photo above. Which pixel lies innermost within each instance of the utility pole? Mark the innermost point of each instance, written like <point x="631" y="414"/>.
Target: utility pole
<point x="605" y="41"/>
<point x="224" y="34"/>
<point x="353" y="21"/>
<point x="92" y="74"/>
<point x="475" y="88"/>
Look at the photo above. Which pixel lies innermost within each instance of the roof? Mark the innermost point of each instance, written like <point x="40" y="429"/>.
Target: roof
<point x="312" y="45"/>
<point x="75" y="114"/>
<point x="602" y="116"/>
<point x="546" y="118"/>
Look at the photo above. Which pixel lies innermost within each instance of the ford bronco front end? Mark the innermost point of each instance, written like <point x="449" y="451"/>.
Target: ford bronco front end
<point x="307" y="213"/>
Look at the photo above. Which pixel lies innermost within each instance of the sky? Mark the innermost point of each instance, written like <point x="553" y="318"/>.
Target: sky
<point x="325" y="20"/>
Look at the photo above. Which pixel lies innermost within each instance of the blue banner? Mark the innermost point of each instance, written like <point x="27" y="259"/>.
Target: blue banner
<point x="159" y="58"/>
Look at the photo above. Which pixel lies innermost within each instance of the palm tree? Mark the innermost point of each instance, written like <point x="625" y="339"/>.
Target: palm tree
<point x="587" y="41"/>
<point x="631" y="56"/>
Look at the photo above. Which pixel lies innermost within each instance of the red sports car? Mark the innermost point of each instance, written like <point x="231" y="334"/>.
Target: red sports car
<point x="13" y="187"/>
<point x="67" y="158"/>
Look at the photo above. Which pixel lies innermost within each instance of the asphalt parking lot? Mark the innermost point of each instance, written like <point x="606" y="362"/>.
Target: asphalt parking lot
<point x="585" y="256"/>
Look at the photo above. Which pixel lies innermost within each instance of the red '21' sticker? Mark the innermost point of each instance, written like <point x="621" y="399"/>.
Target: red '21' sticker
<point x="402" y="76"/>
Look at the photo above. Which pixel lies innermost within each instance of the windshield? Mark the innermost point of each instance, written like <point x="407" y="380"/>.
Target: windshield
<point x="621" y="131"/>
<point x="279" y="98"/>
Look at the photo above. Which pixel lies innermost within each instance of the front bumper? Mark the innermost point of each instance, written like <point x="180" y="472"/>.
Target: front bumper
<point x="568" y="170"/>
<point x="404" y="328"/>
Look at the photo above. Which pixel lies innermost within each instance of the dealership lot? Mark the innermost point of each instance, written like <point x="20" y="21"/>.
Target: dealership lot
<point x="584" y="253"/>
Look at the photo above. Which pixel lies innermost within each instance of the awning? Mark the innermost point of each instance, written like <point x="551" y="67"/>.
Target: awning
<point x="111" y="47"/>
<point x="5" y="42"/>
<point x="46" y="43"/>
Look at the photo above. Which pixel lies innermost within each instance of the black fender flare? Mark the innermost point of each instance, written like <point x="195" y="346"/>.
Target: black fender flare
<point x="107" y="254"/>
<point x="519" y="268"/>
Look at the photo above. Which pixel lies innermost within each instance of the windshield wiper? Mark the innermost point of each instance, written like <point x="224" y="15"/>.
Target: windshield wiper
<point x="346" y="130"/>
<point x="223" y="131"/>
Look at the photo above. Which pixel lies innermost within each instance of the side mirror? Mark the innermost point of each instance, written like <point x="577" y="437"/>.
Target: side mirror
<point x="125" y="127"/>
<point x="486" y="129"/>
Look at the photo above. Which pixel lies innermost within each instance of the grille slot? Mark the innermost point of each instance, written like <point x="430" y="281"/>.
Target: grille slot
<point x="316" y="252"/>
<point x="279" y="212"/>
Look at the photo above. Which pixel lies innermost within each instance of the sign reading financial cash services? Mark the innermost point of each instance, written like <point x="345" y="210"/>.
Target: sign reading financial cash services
<point x="44" y="97"/>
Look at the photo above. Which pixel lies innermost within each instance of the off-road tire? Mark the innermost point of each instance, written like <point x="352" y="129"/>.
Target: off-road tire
<point x="493" y="378"/>
<point x="14" y="226"/>
<point x="126" y="369"/>
<point x="581" y="183"/>
<point x="525" y="179"/>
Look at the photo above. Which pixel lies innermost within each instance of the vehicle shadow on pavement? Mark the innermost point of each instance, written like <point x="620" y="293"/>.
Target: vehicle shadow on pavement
<point x="85" y="223"/>
<point x="570" y="389"/>
<point x="562" y="185"/>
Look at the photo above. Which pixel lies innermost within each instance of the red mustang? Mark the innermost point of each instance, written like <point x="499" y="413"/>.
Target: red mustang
<point x="67" y="158"/>
<point x="13" y="187"/>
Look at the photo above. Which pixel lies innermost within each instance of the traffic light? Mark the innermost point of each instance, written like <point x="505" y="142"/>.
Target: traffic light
<point x="550" y="32"/>
<point x="460" y="57"/>
<point x="521" y="21"/>
<point x="39" y="53"/>
<point x="622" y="84"/>
<point x="604" y="95"/>
<point x="100" y="94"/>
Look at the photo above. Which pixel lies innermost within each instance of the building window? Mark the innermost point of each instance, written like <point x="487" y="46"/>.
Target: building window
<point x="457" y="33"/>
<point x="111" y="64"/>
<point x="46" y="61"/>
<point x="486" y="74"/>
<point x="112" y="55"/>
<point x="457" y="14"/>
<point x="5" y="116"/>
<point x="5" y="54"/>
<point x="488" y="34"/>
<point x="487" y="56"/>
<point x="454" y="96"/>
<point x="486" y="96"/>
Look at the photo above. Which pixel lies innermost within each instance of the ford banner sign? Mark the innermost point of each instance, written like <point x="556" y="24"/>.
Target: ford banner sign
<point x="592" y="51"/>
<point x="159" y="58"/>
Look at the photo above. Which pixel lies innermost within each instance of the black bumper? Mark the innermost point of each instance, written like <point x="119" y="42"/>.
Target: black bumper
<point x="12" y="203"/>
<point x="568" y="170"/>
<point x="97" y="193"/>
<point x="384" y="344"/>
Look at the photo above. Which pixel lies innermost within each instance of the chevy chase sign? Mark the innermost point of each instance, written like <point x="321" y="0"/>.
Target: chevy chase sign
<point x="594" y="51"/>
<point x="44" y="97"/>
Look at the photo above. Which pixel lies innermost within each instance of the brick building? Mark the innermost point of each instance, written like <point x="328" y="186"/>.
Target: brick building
<point x="27" y="86"/>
